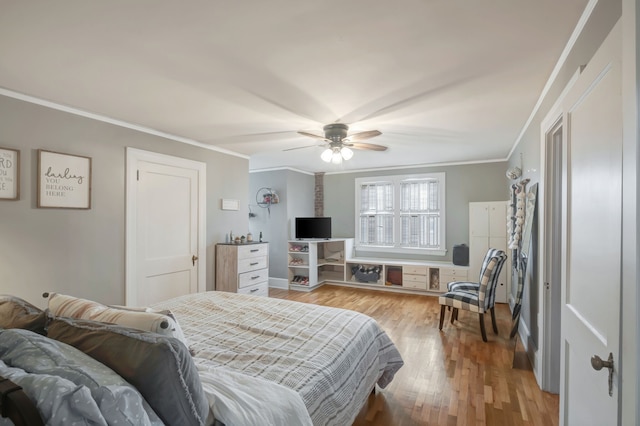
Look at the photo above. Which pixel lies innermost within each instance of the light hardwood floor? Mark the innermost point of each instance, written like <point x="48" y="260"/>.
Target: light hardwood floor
<point x="450" y="377"/>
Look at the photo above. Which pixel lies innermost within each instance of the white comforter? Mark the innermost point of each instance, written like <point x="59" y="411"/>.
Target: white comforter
<point x="268" y="358"/>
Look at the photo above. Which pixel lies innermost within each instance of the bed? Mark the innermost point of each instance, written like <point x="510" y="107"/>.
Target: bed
<point x="239" y="359"/>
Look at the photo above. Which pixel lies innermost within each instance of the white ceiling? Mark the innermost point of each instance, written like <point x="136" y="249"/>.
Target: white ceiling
<point x="444" y="81"/>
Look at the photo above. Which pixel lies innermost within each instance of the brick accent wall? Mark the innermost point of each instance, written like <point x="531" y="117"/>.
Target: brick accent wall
<point x="318" y="201"/>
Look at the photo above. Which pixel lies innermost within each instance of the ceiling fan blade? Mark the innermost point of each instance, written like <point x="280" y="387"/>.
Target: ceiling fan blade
<point x="368" y="146"/>
<point x="312" y="135"/>
<point x="363" y="135"/>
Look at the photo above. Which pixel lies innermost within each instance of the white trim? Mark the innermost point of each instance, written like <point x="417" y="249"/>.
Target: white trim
<point x="114" y="121"/>
<point x="277" y="169"/>
<point x="403" y="167"/>
<point x="133" y="157"/>
<point x="582" y="22"/>
<point x="542" y="355"/>
<point x="397" y="180"/>
<point x="282" y="283"/>
<point x="421" y="166"/>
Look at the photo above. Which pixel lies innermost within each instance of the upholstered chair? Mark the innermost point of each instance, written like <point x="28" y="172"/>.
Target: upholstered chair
<point x="478" y="300"/>
<point x="471" y="285"/>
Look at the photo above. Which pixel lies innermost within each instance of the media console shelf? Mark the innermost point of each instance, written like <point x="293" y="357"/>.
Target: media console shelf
<point x="313" y="262"/>
<point x="407" y="275"/>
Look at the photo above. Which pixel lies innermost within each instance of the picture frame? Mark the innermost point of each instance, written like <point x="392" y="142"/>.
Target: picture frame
<point x="9" y="174"/>
<point x="64" y="180"/>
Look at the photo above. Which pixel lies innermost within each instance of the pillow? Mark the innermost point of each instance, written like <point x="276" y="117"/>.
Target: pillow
<point x="61" y="305"/>
<point x="18" y="313"/>
<point x="119" y="402"/>
<point x="177" y="332"/>
<point x="160" y="367"/>
<point x="59" y="401"/>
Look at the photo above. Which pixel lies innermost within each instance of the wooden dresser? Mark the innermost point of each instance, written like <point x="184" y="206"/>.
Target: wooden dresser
<point x="243" y="268"/>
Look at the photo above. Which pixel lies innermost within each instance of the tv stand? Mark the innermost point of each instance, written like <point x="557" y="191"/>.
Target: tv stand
<point x="312" y="262"/>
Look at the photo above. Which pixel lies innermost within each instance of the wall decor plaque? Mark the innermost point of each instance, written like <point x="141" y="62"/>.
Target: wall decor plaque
<point x="9" y="174"/>
<point x="64" y="180"/>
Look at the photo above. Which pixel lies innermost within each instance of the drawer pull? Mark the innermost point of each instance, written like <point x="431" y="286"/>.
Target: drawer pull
<point x="255" y="277"/>
<point x="254" y="263"/>
<point x="253" y="290"/>
<point x="254" y="250"/>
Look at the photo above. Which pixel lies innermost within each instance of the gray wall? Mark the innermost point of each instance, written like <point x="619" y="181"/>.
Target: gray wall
<point x="599" y="25"/>
<point x="296" y="193"/>
<point x="464" y="184"/>
<point x="82" y="252"/>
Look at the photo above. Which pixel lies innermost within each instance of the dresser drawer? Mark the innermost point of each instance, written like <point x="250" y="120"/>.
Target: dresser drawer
<point x="458" y="274"/>
<point x="414" y="270"/>
<point x="246" y="252"/>
<point x="252" y="264"/>
<point x="261" y="289"/>
<point x="419" y="284"/>
<point x="413" y="278"/>
<point x="250" y="278"/>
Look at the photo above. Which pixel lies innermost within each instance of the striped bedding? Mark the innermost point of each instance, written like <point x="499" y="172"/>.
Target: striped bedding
<point x="331" y="357"/>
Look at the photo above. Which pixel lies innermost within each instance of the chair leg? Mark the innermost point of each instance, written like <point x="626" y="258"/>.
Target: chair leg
<point x="442" y="316"/>
<point x="454" y="315"/>
<point x="482" y="330"/>
<point x="493" y="321"/>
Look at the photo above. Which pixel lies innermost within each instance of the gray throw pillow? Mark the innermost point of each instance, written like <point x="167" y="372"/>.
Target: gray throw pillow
<point x="160" y="367"/>
<point x="119" y="401"/>
<point x="18" y="313"/>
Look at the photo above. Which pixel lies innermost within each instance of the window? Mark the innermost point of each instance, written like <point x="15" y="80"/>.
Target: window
<point x="401" y="213"/>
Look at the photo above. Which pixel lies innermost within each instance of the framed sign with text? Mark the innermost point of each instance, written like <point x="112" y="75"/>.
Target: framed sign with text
<point x="9" y="174"/>
<point x="64" y="180"/>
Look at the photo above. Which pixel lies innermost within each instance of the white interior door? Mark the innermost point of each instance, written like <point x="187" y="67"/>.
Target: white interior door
<point x="591" y="273"/>
<point x="165" y="242"/>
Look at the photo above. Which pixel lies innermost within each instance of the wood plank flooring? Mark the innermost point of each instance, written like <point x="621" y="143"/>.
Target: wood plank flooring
<point x="450" y="377"/>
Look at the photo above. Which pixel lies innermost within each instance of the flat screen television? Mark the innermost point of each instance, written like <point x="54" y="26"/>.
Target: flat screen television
<point x="308" y="228"/>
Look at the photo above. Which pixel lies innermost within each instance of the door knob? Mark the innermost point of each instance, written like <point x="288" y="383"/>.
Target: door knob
<point x="193" y="259"/>
<point x="598" y="364"/>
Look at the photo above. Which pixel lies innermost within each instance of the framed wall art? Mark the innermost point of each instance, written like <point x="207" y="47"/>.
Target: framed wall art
<point x="9" y="174"/>
<point x="64" y="180"/>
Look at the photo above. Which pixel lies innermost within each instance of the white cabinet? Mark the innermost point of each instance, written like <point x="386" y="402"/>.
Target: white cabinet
<point x="488" y="229"/>
<point x="312" y="262"/>
<point x="448" y="275"/>
<point x="243" y="268"/>
<point x="414" y="276"/>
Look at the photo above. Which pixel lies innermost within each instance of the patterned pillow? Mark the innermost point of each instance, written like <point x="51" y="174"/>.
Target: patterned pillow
<point x="119" y="401"/>
<point x="59" y="401"/>
<point x="160" y="367"/>
<point x="18" y="313"/>
<point x="61" y="305"/>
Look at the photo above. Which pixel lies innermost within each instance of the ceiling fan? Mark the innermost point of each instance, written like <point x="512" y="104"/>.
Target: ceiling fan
<point x="341" y="144"/>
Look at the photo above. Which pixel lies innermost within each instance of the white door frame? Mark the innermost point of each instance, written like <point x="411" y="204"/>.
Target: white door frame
<point x="544" y="362"/>
<point x="133" y="157"/>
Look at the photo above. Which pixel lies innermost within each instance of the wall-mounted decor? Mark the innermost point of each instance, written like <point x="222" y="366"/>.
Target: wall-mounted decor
<point x="528" y="219"/>
<point x="64" y="180"/>
<point x="265" y="197"/>
<point x="9" y="174"/>
<point x="524" y="257"/>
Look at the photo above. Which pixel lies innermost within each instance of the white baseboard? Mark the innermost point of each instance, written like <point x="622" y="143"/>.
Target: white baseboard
<point x="279" y="283"/>
<point x="532" y="352"/>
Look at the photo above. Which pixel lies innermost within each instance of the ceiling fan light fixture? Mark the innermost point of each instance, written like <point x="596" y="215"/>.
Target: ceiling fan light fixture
<point x="326" y="155"/>
<point x="346" y="153"/>
<point x="336" y="158"/>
